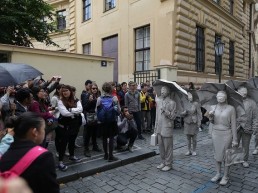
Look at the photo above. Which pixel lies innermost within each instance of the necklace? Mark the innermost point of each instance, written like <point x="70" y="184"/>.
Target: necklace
<point x="221" y="108"/>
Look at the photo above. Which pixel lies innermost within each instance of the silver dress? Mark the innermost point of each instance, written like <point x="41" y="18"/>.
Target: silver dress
<point x="224" y="125"/>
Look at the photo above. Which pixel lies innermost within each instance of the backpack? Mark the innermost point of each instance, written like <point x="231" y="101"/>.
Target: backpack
<point x="23" y="163"/>
<point x="106" y="111"/>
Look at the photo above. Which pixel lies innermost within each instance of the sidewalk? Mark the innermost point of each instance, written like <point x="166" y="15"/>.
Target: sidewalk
<point x="190" y="174"/>
<point x="96" y="163"/>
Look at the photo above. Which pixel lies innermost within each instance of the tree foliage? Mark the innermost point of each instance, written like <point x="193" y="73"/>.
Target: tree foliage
<point x="22" y="20"/>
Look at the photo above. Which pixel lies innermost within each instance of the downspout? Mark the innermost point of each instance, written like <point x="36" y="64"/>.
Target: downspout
<point x="251" y="73"/>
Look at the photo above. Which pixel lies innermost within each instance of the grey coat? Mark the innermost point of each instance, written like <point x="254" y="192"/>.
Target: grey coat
<point x="165" y="115"/>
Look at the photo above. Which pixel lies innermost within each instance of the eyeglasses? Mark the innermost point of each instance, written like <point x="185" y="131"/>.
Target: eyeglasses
<point x="94" y="88"/>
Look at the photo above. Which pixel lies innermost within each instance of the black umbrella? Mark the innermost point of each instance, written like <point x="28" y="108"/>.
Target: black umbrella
<point x="13" y="74"/>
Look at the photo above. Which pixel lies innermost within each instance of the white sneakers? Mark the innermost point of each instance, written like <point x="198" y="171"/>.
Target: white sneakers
<point x="163" y="167"/>
<point x="160" y="166"/>
<point x="224" y="181"/>
<point x="166" y="168"/>
<point x="255" y="152"/>
<point x="191" y="153"/>
<point x="215" y="178"/>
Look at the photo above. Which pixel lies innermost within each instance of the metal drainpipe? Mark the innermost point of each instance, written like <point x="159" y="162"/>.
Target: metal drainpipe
<point x="250" y="40"/>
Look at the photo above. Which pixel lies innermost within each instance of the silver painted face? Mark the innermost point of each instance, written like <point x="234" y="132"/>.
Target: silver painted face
<point x="221" y="97"/>
<point x="243" y="91"/>
<point x="164" y="91"/>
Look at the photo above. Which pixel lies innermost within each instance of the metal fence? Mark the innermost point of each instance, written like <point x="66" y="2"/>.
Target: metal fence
<point x="143" y="76"/>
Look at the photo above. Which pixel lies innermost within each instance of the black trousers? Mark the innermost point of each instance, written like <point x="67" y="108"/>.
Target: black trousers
<point x="91" y="132"/>
<point x="123" y="138"/>
<point x="65" y="136"/>
<point x="137" y="118"/>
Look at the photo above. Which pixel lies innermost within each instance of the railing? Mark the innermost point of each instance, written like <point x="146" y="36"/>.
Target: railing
<point x="143" y="76"/>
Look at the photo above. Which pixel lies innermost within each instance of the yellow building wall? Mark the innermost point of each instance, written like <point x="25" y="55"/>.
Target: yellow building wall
<point x="75" y="69"/>
<point x="121" y="21"/>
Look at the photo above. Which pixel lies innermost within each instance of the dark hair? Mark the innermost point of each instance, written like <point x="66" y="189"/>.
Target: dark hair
<point x="58" y="87"/>
<point x="24" y="123"/>
<point x="123" y="83"/>
<point x="191" y="85"/>
<point x="143" y="85"/>
<point x="123" y="108"/>
<point x="22" y="94"/>
<point x="70" y="102"/>
<point x="88" y="82"/>
<point x="107" y="88"/>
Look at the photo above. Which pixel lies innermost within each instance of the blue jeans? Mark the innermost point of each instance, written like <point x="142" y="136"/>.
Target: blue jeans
<point x="137" y="118"/>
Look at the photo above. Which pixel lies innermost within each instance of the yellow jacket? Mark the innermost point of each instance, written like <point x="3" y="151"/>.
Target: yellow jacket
<point x="145" y="102"/>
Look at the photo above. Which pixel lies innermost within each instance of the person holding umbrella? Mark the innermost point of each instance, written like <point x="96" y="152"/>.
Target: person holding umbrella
<point x="192" y="121"/>
<point x="224" y="133"/>
<point x="244" y="132"/>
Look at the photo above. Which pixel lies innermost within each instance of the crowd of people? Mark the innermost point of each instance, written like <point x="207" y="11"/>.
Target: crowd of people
<point x="118" y="113"/>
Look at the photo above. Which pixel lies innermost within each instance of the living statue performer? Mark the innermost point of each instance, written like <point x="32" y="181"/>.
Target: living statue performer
<point x="165" y="115"/>
<point x="192" y="121"/>
<point x="244" y="134"/>
<point x="224" y="134"/>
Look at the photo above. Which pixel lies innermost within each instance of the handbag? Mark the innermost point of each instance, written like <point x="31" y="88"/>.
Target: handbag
<point x="154" y="139"/>
<point x="234" y="155"/>
<point x="91" y="118"/>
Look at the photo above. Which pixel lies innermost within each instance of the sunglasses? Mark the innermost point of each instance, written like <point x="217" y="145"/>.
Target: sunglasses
<point x="94" y="88"/>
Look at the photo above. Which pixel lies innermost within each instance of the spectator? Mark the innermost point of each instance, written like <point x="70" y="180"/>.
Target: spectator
<point x="92" y="122"/>
<point x="127" y="129"/>
<point x="109" y="126"/>
<point x="23" y="99"/>
<point x="133" y="102"/>
<point x="146" y="101"/>
<point x="29" y="129"/>
<point x="69" y="123"/>
<point x="39" y="106"/>
<point x="122" y="93"/>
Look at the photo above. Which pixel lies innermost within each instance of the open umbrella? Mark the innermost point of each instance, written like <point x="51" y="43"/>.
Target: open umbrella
<point x="252" y="92"/>
<point x="13" y="74"/>
<point x="207" y="95"/>
<point x="253" y="81"/>
<point x="178" y="94"/>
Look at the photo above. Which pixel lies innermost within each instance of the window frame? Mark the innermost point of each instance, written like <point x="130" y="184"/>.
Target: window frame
<point x="231" y="68"/>
<point x="86" y="7"/>
<point x="143" y="49"/>
<point x="231" y="6"/>
<point x="109" y="4"/>
<point x="200" y="49"/>
<point x="61" y="25"/>
<point x="89" y="48"/>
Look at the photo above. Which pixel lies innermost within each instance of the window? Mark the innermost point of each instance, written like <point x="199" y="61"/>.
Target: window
<point x="231" y="6"/>
<point x="200" y="49"/>
<point x="217" y="1"/>
<point x="4" y="57"/>
<point x="86" y="48"/>
<point x="231" y="58"/>
<point x="218" y="59"/>
<point x="142" y="48"/>
<point x="61" y="21"/>
<point x="110" y="4"/>
<point x="86" y="10"/>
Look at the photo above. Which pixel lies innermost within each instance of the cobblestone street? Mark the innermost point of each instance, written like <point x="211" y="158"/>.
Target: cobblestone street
<point x="189" y="174"/>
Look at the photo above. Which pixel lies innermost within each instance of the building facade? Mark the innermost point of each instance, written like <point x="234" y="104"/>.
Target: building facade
<point x="144" y="34"/>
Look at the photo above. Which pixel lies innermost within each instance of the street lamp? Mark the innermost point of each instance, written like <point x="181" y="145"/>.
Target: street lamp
<point x="219" y="49"/>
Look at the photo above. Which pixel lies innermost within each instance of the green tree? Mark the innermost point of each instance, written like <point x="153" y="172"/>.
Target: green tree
<point x="23" y="20"/>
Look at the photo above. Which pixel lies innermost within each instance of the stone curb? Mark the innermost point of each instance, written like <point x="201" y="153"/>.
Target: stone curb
<point x="94" y="166"/>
